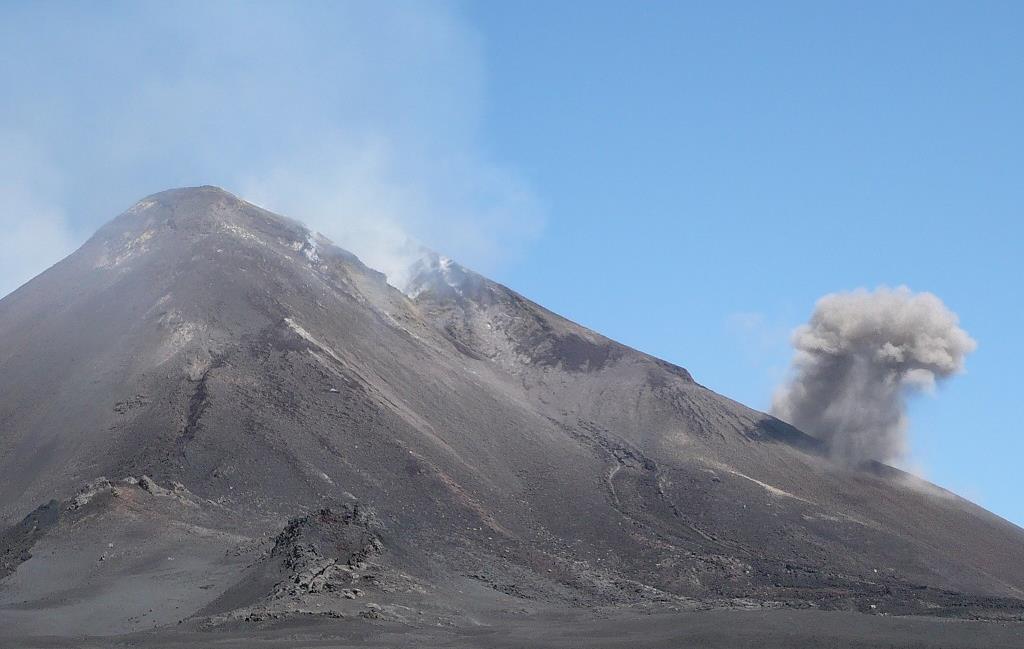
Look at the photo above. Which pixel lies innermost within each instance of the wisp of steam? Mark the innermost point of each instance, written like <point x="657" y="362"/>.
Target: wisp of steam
<point x="859" y="358"/>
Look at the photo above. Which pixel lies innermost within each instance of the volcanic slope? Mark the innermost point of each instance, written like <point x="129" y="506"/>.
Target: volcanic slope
<point x="210" y="414"/>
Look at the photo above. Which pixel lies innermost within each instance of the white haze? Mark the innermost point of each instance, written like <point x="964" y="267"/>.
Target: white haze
<point x="361" y="119"/>
<point x="859" y="359"/>
<point x="33" y="231"/>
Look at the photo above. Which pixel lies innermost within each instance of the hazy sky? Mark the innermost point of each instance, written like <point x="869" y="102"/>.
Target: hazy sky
<point x="683" y="177"/>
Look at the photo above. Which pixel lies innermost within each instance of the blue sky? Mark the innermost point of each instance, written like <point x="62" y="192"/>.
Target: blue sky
<point x="688" y="178"/>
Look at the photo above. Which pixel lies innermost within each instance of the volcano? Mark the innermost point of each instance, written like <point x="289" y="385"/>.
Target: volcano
<point x="214" y="421"/>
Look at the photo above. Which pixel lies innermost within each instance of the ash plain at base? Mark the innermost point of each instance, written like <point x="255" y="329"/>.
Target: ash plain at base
<point x="716" y="629"/>
<point x="213" y="421"/>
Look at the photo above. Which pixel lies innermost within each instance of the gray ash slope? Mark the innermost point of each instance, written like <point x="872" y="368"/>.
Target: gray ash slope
<point x="446" y="456"/>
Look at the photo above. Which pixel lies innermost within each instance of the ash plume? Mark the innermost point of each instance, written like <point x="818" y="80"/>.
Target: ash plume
<point x="857" y="361"/>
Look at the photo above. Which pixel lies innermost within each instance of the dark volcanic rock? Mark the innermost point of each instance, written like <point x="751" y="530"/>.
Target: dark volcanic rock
<point x="251" y="373"/>
<point x="17" y="541"/>
<point x="315" y="551"/>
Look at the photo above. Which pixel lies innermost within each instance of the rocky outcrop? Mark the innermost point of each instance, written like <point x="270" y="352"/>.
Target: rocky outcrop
<point x="325" y="551"/>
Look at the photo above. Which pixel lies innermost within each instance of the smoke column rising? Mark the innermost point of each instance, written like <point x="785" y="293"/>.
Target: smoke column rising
<point x="365" y="120"/>
<point x="859" y="358"/>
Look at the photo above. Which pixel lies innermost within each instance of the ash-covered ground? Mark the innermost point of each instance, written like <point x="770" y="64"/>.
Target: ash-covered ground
<point x="218" y="428"/>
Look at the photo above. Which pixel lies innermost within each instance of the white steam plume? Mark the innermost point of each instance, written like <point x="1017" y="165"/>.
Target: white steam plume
<point x="34" y="233"/>
<point x="363" y="119"/>
<point x="859" y="358"/>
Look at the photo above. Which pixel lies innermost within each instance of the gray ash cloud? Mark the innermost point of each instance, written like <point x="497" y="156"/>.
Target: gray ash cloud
<point x="859" y="358"/>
